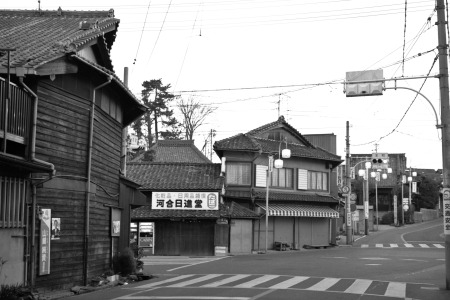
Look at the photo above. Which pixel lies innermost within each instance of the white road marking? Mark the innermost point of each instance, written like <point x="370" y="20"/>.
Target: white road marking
<point x="409" y="245"/>
<point x="225" y="281"/>
<point x="379" y="245"/>
<point x="153" y="284"/>
<point x="394" y="245"/>
<point x="359" y="286"/>
<point x="196" y="280"/>
<point x="288" y="283"/>
<point x="256" y="281"/>
<point x="396" y="289"/>
<point x="424" y="246"/>
<point x="324" y="284"/>
<point x="438" y="246"/>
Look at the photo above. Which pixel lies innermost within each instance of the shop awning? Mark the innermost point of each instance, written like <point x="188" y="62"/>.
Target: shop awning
<point x="300" y="210"/>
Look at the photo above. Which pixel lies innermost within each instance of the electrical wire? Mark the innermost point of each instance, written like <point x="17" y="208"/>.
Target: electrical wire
<point x="142" y="32"/>
<point x="405" y="113"/>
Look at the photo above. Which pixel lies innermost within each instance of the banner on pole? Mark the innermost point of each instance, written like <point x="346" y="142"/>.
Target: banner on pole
<point x="446" y="200"/>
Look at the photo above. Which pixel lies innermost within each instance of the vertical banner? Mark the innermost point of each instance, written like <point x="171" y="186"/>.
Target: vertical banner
<point x="115" y="221"/>
<point x="44" y="242"/>
<point x="446" y="198"/>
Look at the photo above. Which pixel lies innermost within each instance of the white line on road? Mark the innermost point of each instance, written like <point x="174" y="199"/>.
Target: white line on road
<point x="359" y="286"/>
<point x="396" y="289"/>
<point x="424" y="246"/>
<point x="153" y="284"/>
<point x="288" y="283"/>
<point x="226" y="280"/>
<point x="196" y="280"/>
<point x="324" y="284"/>
<point x="438" y="246"/>
<point x="409" y="245"/>
<point x="257" y="281"/>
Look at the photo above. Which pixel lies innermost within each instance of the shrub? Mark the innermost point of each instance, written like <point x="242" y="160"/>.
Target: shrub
<point x="124" y="263"/>
<point x="11" y="291"/>
<point x="387" y="218"/>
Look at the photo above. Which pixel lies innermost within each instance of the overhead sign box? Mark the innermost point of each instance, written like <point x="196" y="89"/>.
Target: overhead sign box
<point x="364" y="83"/>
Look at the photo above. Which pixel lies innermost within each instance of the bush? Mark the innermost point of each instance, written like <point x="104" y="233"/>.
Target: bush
<point x="11" y="291"/>
<point x="124" y="263"/>
<point x="387" y="218"/>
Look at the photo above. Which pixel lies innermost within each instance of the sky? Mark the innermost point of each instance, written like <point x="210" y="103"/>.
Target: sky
<point x="254" y="60"/>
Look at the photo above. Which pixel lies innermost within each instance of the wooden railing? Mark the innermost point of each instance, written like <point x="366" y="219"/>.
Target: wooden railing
<point x="15" y="114"/>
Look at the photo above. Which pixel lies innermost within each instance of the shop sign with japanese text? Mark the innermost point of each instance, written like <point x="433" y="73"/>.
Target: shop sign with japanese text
<point x="446" y="198"/>
<point x="44" y="242"/>
<point x="185" y="200"/>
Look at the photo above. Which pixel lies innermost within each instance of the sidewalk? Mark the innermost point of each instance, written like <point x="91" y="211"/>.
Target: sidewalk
<point x="381" y="227"/>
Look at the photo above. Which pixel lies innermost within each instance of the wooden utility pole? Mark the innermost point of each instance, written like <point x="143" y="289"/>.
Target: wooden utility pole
<point x="444" y="90"/>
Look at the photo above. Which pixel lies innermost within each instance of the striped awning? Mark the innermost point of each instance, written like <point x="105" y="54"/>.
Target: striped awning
<point x="300" y="210"/>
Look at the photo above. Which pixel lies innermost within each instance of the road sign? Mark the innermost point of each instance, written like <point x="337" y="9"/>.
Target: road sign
<point x="405" y="207"/>
<point x="405" y="201"/>
<point x="345" y="189"/>
<point x="353" y="196"/>
<point x="352" y="207"/>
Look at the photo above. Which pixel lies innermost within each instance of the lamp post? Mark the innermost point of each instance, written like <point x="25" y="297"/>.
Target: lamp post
<point x="410" y="180"/>
<point x="278" y="163"/>
<point x="365" y="174"/>
<point x="378" y="176"/>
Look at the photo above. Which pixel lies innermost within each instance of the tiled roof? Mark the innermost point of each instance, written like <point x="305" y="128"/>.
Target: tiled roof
<point x="176" y="176"/>
<point x="281" y="122"/>
<point x="183" y="151"/>
<point x="280" y="196"/>
<point x="232" y="210"/>
<point x="39" y="37"/>
<point x="245" y="142"/>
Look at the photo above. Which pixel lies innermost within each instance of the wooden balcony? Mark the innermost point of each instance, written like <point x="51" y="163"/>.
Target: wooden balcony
<point x="16" y="116"/>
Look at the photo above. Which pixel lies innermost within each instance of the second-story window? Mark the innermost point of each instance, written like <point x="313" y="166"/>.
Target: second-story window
<point x="238" y="173"/>
<point x="282" y="178"/>
<point x="312" y="180"/>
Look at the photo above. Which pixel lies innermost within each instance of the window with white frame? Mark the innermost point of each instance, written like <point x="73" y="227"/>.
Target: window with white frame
<point x="238" y="173"/>
<point x="312" y="180"/>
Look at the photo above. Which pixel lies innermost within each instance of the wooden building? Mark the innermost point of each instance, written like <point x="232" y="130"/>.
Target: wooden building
<point x="302" y="194"/>
<point x="180" y="173"/>
<point x="64" y="196"/>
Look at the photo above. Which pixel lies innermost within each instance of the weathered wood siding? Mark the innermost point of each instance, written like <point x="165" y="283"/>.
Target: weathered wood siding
<point x="62" y="139"/>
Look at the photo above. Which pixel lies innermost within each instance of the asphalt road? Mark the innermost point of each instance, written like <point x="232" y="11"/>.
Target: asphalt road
<point x="379" y="266"/>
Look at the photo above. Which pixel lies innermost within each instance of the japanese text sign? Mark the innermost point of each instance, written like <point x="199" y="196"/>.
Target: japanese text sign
<point x="446" y="198"/>
<point x="44" y="242"/>
<point x="185" y="200"/>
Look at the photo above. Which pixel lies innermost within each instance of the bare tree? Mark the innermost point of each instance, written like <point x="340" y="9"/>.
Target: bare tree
<point x="194" y="114"/>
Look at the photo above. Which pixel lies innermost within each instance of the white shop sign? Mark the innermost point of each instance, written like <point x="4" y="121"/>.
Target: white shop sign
<point x="185" y="200"/>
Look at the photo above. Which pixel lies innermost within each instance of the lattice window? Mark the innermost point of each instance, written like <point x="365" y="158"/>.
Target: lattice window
<point x="12" y="202"/>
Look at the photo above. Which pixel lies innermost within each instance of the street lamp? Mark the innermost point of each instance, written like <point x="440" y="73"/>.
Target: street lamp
<point x="377" y="175"/>
<point x="365" y="174"/>
<point x="278" y="164"/>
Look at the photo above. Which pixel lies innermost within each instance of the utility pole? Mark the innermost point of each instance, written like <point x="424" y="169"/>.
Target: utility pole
<point x="444" y="93"/>
<point x="348" y="183"/>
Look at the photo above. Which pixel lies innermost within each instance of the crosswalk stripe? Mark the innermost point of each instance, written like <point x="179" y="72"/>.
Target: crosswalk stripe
<point x="409" y="245"/>
<point x="438" y="246"/>
<point x="424" y="246"/>
<point x="256" y="281"/>
<point x="396" y="289"/>
<point x="430" y="245"/>
<point x="225" y="281"/>
<point x="196" y="280"/>
<point x="324" y="284"/>
<point x="394" y="245"/>
<point x="364" y="246"/>
<point x="150" y="285"/>
<point x="288" y="283"/>
<point x="359" y="286"/>
<point x="379" y="245"/>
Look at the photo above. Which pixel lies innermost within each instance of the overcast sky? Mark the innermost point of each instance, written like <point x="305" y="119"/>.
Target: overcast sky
<point x="256" y="59"/>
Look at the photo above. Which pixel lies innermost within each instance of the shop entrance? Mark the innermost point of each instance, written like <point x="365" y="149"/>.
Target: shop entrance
<point x="184" y="237"/>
